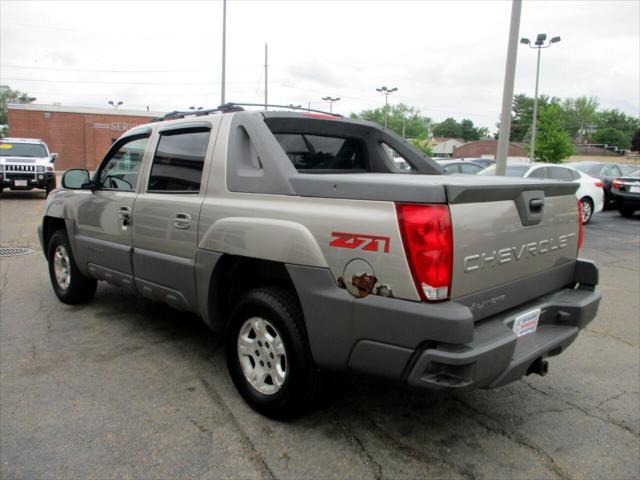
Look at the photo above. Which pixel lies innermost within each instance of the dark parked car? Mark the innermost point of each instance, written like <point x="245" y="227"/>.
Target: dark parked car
<point x="607" y="173"/>
<point x="459" y="167"/>
<point x="485" y="162"/>
<point x="625" y="192"/>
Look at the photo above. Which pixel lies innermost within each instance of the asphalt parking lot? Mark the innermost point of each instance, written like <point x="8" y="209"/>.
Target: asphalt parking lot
<point x="125" y="388"/>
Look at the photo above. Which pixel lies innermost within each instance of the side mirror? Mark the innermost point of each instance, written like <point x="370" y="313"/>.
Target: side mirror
<point x="75" y="179"/>
<point x="54" y="157"/>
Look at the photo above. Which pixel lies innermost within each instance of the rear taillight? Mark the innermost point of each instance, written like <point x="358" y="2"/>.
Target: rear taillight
<point x="598" y="184"/>
<point x="580" y="226"/>
<point x="428" y="245"/>
<point x="617" y="184"/>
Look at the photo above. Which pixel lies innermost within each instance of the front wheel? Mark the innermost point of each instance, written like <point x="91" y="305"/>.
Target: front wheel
<point x="268" y="355"/>
<point x="587" y="210"/>
<point x="69" y="285"/>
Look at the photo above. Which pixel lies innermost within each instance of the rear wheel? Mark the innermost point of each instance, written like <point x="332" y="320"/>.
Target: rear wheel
<point x="69" y="285"/>
<point x="627" y="212"/>
<point x="268" y="355"/>
<point x="587" y="210"/>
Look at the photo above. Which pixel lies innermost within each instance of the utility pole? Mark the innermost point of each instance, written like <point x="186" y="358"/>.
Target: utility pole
<point x="266" y="75"/>
<point x="224" y="48"/>
<point x="539" y="44"/>
<point x="309" y="105"/>
<point x="386" y="92"/>
<point x="507" y="92"/>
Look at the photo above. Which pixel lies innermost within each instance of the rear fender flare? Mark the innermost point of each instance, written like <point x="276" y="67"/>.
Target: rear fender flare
<point x="268" y="239"/>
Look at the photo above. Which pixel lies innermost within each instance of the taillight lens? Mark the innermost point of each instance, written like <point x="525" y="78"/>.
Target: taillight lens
<point x="598" y="184"/>
<point x="428" y="244"/>
<point x="580" y="226"/>
<point x="617" y="184"/>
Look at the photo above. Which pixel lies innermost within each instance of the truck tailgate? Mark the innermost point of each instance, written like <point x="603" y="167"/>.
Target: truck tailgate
<point x="503" y="239"/>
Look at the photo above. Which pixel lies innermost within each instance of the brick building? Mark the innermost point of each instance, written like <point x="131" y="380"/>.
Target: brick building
<point x="81" y="136"/>
<point x="487" y="149"/>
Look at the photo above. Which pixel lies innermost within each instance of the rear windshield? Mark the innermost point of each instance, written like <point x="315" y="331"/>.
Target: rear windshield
<point x="321" y="152"/>
<point x="8" y="149"/>
<point x="587" y="167"/>
<point x="511" y="171"/>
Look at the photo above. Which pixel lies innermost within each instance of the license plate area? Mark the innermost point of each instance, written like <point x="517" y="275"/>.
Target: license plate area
<point x="20" y="183"/>
<point x="526" y="323"/>
<point x="634" y="189"/>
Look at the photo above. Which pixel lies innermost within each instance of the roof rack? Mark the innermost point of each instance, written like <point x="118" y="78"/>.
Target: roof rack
<point x="233" y="107"/>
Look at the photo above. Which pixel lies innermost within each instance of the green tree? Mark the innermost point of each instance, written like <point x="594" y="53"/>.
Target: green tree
<point x="579" y="115"/>
<point x="635" y="140"/>
<point x="553" y="143"/>
<point x="8" y="95"/>
<point x="614" y="118"/>
<point x="401" y="117"/>
<point x="422" y="144"/>
<point x="450" y="128"/>
<point x="612" y="136"/>
<point x="522" y="115"/>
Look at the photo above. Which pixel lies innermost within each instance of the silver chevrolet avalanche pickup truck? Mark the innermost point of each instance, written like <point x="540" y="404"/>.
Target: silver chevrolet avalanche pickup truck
<point x="299" y="238"/>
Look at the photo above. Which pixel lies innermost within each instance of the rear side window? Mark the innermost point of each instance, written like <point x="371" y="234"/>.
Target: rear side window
<point x="539" y="173"/>
<point x="559" y="173"/>
<point x="318" y="152"/>
<point x="178" y="161"/>
<point x="470" y="168"/>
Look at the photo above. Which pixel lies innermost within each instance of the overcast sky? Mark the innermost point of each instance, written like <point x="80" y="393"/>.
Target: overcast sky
<point x="445" y="58"/>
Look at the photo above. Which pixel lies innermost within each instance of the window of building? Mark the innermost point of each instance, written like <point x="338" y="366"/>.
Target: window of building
<point x="120" y="169"/>
<point x="178" y="161"/>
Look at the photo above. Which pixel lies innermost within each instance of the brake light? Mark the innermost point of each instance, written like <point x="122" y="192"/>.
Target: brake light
<point x="598" y="183"/>
<point x="617" y="184"/>
<point x="320" y="115"/>
<point x="428" y="244"/>
<point x="580" y="226"/>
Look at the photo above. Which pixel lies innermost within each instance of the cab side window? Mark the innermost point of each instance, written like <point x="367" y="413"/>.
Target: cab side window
<point x="178" y="161"/>
<point x="120" y="169"/>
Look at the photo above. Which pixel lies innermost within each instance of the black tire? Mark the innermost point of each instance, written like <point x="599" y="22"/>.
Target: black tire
<point x="79" y="289"/>
<point x="281" y="309"/>
<point x="587" y="206"/>
<point x="627" y="212"/>
<point x="50" y="186"/>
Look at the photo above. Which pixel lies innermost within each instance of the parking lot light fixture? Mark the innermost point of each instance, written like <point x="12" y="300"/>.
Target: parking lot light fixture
<point x="330" y="101"/>
<point x="115" y="105"/>
<point x="386" y="92"/>
<point x="539" y="45"/>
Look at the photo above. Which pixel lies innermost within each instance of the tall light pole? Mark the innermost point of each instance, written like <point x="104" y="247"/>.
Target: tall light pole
<point x="330" y="101"/>
<point x="224" y="48"/>
<point x="115" y="105"/>
<point x="386" y="92"/>
<point x="539" y="44"/>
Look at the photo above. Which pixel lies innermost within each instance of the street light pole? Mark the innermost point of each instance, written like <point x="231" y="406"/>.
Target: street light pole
<point x="330" y="101"/>
<point x="386" y="92"/>
<point x="539" y="44"/>
<point x="224" y="48"/>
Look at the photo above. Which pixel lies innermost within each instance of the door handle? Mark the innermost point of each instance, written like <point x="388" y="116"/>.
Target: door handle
<point x="124" y="214"/>
<point x="182" y="221"/>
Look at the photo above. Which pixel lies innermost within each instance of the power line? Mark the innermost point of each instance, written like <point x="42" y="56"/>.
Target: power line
<point x="124" y="83"/>
<point x="88" y="70"/>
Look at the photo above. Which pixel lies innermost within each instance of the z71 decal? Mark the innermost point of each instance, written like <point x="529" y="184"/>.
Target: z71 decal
<point x="370" y="243"/>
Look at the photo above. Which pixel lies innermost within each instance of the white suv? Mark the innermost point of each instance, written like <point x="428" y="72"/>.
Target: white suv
<point x="26" y="163"/>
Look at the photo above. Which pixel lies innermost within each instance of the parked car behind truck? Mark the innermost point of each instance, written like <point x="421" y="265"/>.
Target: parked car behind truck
<point x="297" y="237"/>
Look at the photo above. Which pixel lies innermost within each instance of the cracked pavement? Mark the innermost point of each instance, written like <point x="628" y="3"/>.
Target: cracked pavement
<point x="126" y="388"/>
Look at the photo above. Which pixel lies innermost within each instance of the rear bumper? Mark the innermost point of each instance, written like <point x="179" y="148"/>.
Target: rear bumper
<point x="439" y="346"/>
<point x="623" y="199"/>
<point x="496" y="356"/>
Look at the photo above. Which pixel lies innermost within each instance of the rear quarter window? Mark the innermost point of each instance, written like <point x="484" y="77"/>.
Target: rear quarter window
<point x="317" y="153"/>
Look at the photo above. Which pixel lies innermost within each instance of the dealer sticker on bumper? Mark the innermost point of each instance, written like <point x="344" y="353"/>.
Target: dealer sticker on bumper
<point x="526" y="323"/>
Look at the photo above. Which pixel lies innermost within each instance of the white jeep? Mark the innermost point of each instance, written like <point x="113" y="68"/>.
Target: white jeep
<point x="25" y="164"/>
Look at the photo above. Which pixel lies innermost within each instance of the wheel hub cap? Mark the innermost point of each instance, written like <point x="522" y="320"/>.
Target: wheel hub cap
<point x="262" y="356"/>
<point x="586" y="211"/>
<point x="61" y="267"/>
